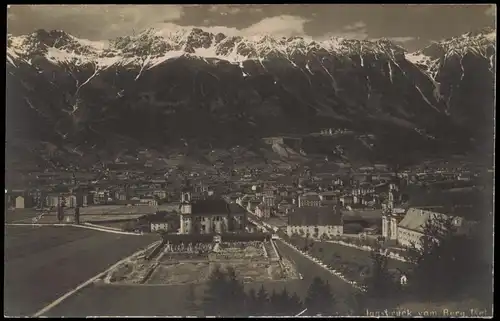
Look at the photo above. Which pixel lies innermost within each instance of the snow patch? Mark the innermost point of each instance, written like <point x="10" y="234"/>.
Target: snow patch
<point x="417" y="58"/>
<point x="491" y="36"/>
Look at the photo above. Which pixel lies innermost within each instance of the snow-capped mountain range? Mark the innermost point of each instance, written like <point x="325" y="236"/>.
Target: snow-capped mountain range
<point x="151" y="47"/>
<point x="162" y="83"/>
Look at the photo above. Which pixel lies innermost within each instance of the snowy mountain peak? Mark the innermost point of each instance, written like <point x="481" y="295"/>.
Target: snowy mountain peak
<point x="166" y="44"/>
<point x="481" y="43"/>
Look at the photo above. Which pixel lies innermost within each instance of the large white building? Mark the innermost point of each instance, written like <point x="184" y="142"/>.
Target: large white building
<point x="316" y="222"/>
<point x="310" y="199"/>
<point x="409" y="229"/>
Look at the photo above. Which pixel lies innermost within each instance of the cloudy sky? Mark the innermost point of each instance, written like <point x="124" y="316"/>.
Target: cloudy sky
<point x="413" y="26"/>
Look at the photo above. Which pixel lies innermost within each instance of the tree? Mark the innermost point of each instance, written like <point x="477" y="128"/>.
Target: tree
<point x="357" y="303"/>
<point x="319" y="298"/>
<point x="251" y="306"/>
<point x="262" y="301"/>
<point x="214" y="298"/>
<point x="191" y="304"/>
<point x="286" y="303"/>
<point x="295" y="304"/>
<point x="380" y="283"/>
<point x="235" y="293"/>
<point x="430" y="258"/>
<point x="274" y="303"/>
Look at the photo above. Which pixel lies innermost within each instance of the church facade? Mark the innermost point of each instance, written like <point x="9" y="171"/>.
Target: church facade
<point x="210" y="216"/>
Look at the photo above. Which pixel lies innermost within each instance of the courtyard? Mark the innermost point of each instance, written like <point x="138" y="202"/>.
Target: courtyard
<point x="193" y="264"/>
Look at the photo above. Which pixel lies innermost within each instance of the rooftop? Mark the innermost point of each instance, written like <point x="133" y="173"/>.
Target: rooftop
<point x="215" y="206"/>
<point x="416" y="218"/>
<point x="310" y="216"/>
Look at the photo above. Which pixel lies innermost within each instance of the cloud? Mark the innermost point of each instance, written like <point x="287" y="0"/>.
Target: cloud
<point x="166" y="28"/>
<point x="401" y="39"/>
<point x="491" y="11"/>
<point x="104" y="21"/>
<point x="279" y="26"/>
<point x="224" y="10"/>
<point x="355" y="31"/>
<point x="284" y="26"/>
<point x="355" y="26"/>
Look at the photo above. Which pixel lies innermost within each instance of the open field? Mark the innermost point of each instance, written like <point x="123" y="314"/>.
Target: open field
<point x="44" y="263"/>
<point x="117" y="210"/>
<point x="104" y="218"/>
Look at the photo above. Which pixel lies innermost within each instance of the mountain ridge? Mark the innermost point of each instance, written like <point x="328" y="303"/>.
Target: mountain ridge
<point x="191" y="84"/>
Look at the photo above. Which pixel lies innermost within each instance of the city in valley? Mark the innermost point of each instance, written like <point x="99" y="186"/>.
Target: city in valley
<point x="331" y="220"/>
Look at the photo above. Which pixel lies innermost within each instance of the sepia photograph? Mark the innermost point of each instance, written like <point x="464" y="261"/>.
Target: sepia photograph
<point x="250" y="160"/>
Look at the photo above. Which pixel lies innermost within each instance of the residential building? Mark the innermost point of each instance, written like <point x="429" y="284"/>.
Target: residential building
<point x="161" y="194"/>
<point x="120" y="195"/>
<point x="149" y="201"/>
<point x="160" y="224"/>
<point x="329" y="198"/>
<point x="52" y="200"/>
<point x="283" y="192"/>
<point x="285" y="207"/>
<point x="316" y="221"/>
<point x="251" y="205"/>
<point x="210" y="216"/>
<point x="269" y="191"/>
<point x="69" y="200"/>
<point x="270" y="201"/>
<point x="81" y="200"/>
<point x="465" y="176"/>
<point x="346" y="200"/>
<point x="368" y="200"/>
<point x="263" y="211"/>
<point x="310" y="199"/>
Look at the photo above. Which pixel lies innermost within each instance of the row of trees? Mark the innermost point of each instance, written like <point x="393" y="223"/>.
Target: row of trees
<point x="225" y="296"/>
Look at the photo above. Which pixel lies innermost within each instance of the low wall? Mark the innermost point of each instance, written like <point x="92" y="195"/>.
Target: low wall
<point x="278" y="255"/>
<point x="122" y="220"/>
<point x="156" y="251"/>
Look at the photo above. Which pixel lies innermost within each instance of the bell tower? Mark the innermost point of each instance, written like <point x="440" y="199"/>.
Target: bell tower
<point x="186" y="201"/>
<point x="185" y="207"/>
<point x="186" y="197"/>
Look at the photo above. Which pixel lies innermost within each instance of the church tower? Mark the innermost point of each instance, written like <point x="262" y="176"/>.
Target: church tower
<point x="185" y="208"/>
<point x="186" y="202"/>
<point x="390" y="199"/>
